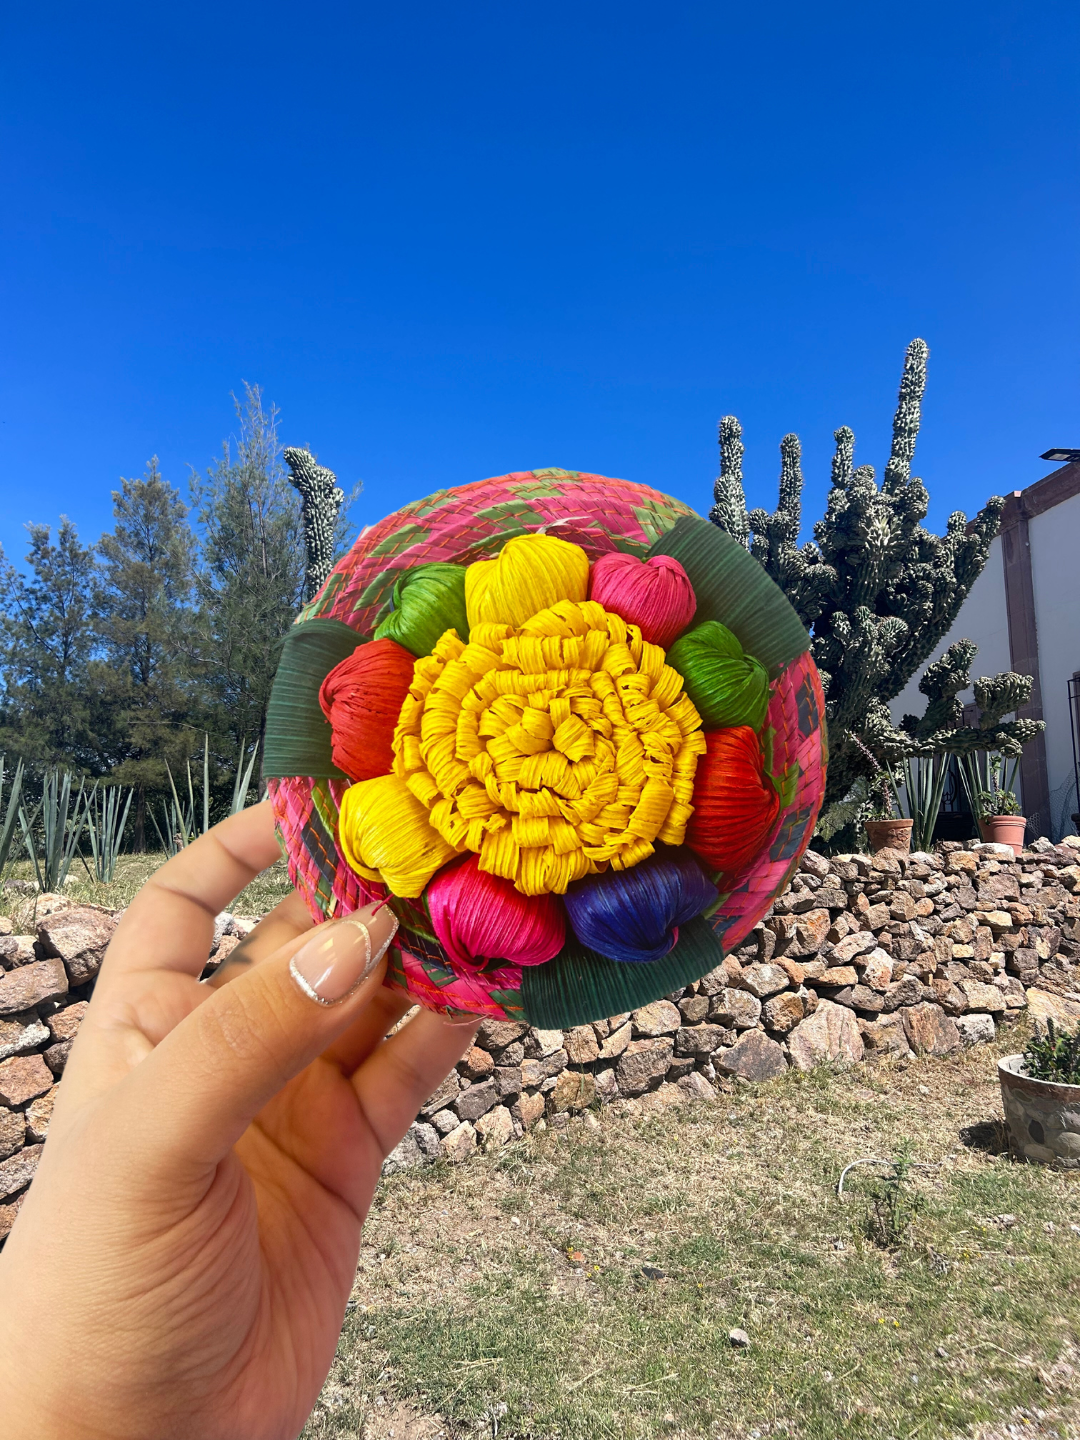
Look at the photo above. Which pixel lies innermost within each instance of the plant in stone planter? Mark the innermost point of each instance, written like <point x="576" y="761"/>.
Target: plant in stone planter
<point x="988" y="779"/>
<point x="1040" y="1091"/>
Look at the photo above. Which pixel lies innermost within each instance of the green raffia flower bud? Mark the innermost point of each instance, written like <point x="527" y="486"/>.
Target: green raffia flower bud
<point x="727" y="686"/>
<point x="428" y="601"/>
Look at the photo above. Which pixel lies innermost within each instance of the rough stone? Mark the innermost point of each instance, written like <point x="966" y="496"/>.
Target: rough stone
<point x="878" y="970"/>
<point x="56" y="1056"/>
<point x="961" y="862"/>
<point x="814" y="864"/>
<point x="476" y="1100"/>
<point x="861" y="942"/>
<point x="426" y="1137"/>
<point x="582" y="1046"/>
<point x="998" y="919"/>
<point x="507" y="1080"/>
<point x="79" y="936"/>
<point x="406" y="1155"/>
<point x="444" y="1095"/>
<point x="863" y="998"/>
<point x="476" y="1063"/>
<point x="736" y="1008"/>
<point x="460" y="1143"/>
<point x="23" y="1078"/>
<point x="839" y="976"/>
<point x="444" y="1121"/>
<point x="983" y="997"/>
<point x="753" y="1057"/>
<point x="783" y="1012"/>
<point x="27" y="916"/>
<point x="885" y="1038"/>
<point x="542" y="1043"/>
<point x="31" y="985"/>
<point x="18" y="1171"/>
<point x="699" y="1039"/>
<point x="21" y="1033"/>
<point x="495" y="1128"/>
<point x="975" y="1029"/>
<point x="535" y="1072"/>
<point x="64" y="1024"/>
<point x="528" y="1108"/>
<point x="764" y="980"/>
<point x="642" y="1062"/>
<point x="496" y="1034"/>
<point x="694" y="1008"/>
<point x="12" y="1132"/>
<point x="616" y="1042"/>
<point x="810" y="932"/>
<point x="929" y="1030"/>
<point x="905" y="991"/>
<point x="659" y="1018"/>
<point x="1043" y="1006"/>
<point x="573" y="1090"/>
<point x="607" y="1087"/>
<point x="830" y="1034"/>
<point x="16" y="950"/>
<point x="696" y="1086"/>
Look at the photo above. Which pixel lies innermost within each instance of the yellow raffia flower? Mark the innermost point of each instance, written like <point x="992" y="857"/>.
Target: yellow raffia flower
<point x="384" y="834"/>
<point x="552" y="749"/>
<point x="530" y="573"/>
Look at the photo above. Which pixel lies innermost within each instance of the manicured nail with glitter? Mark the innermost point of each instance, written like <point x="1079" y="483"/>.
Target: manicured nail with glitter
<point x="342" y="954"/>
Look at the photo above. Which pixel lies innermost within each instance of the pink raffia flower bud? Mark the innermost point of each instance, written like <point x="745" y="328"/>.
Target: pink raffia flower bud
<point x="655" y="595"/>
<point x="480" y="917"/>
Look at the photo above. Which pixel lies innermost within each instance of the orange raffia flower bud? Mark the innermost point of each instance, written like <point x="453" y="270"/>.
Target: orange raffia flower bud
<point x="362" y="699"/>
<point x="735" y="802"/>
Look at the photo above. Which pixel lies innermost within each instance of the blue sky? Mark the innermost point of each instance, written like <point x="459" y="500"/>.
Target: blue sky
<point x="451" y="241"/>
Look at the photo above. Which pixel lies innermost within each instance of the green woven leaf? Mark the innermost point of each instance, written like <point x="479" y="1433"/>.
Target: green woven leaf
<point x="733" y="588"/>
<point x="579" y="985"/>
<point x="298" y="737"/>
<point x="428" y="600"/>
<point x="727" y="686"/>
<point x="401" y="538"/>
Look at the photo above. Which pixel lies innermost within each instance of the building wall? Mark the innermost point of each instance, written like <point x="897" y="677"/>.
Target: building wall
<point x="1055" y="574"/>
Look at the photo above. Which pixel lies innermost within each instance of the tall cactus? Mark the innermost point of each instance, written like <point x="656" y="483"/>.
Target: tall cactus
<point x="875" y="588"/>
<point x="320" y="502"/>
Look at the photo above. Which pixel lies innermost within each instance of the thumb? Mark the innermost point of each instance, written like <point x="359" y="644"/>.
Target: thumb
<point x="217" y="1069"/>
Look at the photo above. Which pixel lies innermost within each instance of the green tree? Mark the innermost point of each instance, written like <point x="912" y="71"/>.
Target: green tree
<point x="48" y="644"/>
<point x="144" y="620"/>
<point x="250" y="576"/>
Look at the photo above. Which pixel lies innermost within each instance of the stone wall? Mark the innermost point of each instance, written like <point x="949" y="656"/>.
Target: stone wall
<point x="863" y="957"/>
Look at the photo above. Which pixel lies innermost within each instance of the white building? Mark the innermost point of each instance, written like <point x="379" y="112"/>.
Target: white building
<point x="1024" y="614"/>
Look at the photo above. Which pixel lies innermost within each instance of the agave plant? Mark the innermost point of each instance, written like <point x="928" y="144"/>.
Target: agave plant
<point x="106" y="820"/>
<point x="10" y="811"/>
<point x="58" y="824"/>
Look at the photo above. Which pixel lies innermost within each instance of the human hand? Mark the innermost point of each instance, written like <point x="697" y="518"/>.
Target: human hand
<point x="181" y="1263"/>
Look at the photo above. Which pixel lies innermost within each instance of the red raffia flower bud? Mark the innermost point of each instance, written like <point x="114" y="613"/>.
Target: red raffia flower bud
<point x="735" y="802"/>
<point x="480" y="917"/>
<point x="655" y="595"/>
<point x="362" y="698"/>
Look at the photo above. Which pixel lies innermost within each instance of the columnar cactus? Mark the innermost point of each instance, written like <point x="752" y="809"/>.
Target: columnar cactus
<point x="876" y="589"/>
<point x="320" y="501"/>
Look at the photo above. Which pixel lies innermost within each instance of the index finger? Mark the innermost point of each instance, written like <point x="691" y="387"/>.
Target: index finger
<point x="170" y="923"/>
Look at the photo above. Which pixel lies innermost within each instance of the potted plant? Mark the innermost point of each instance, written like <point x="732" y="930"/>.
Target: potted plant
<point x="886" y="828"/>
<point x="989" y="783"/>
<point x="1040" y="1091"/>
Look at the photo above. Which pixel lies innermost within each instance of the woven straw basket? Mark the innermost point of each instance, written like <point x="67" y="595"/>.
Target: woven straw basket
<point x="471" y="523"/>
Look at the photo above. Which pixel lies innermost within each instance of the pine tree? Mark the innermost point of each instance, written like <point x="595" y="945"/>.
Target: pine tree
<point x="46" y="651"/>
<point x="250" y="578"/>
<point x="144" y="621"/>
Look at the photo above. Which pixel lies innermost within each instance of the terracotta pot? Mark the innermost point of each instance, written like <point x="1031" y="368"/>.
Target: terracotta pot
<point x="888" y="834"/>
<point x="1004" y="830"/>
<point x="1043" y="1117"/>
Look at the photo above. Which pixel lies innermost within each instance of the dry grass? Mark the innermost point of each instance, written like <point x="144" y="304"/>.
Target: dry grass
<point x="133" y="871"/>
<point x="508" y="1297"/>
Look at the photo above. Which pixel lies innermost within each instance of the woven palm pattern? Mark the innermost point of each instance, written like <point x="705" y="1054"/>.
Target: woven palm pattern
<point x="473" y="522"/>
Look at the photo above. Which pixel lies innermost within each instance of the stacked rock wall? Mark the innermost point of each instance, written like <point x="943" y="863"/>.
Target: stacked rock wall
<point x="862" y="957"/>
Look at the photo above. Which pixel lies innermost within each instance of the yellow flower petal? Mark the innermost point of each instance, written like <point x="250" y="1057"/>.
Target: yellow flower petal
<point x="385" y="833"/>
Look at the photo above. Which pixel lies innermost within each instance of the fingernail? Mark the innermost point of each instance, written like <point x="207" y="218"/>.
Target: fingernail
<point x="342" y="954"/>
